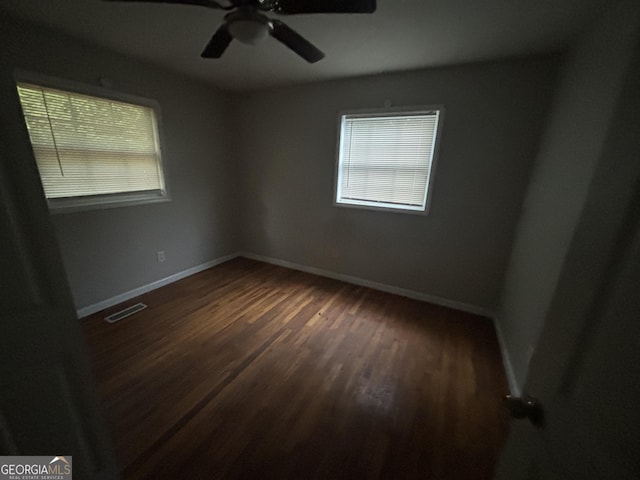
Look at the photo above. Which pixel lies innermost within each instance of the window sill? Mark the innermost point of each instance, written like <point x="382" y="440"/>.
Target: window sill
<point x="83" y="204"/>
<point x="381" y="208"/>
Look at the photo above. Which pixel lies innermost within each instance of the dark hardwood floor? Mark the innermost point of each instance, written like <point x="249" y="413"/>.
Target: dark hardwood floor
<point x="249" y="370"/>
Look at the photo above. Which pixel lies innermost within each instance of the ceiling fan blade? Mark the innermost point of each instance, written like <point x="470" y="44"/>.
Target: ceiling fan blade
<point x="325" y="6"/>
<point x="295" y="41"/>
<point x="218" y="43"/>
<point x="199" y="3"/>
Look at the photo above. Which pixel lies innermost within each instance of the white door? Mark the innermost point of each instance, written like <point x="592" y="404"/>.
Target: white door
<point x="47" y="402"/>
<point x="586" y="369"/>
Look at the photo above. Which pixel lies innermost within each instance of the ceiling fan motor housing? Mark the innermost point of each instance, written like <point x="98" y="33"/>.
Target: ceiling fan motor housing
<point x="248" y="26"/>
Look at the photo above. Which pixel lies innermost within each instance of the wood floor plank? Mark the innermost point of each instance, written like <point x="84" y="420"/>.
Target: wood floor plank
<point x="249" y="370"/>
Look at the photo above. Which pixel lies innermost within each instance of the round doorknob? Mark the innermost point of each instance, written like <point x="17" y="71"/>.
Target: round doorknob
<point x="525" y="407"/>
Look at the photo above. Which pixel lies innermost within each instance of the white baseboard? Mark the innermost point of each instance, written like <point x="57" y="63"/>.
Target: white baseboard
<point x="464" y="307"/>
<point x="123" y="297"/>
<point x="514" y="389"/>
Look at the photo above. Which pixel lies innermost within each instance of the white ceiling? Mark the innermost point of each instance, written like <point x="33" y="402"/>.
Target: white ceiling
<point x="400" y="35"/>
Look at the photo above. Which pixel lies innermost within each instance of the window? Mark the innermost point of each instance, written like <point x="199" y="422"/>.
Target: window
<point x="385" y="160"/>
<point x="93" y="151"/>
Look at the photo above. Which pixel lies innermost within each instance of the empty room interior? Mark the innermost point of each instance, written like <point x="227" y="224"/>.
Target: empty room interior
<point x="326" y="246"/>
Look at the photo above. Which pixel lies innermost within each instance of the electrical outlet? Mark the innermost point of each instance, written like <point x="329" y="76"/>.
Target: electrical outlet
<point x="161" y="256"/>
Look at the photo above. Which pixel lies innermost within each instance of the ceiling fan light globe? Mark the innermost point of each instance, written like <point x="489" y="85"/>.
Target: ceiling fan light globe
<point x="250" y="32"/>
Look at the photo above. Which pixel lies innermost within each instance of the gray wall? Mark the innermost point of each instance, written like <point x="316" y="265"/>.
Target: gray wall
<point x="108" y="252"/>
<point x="494" y="116"/>
<point x="573" y="142"/>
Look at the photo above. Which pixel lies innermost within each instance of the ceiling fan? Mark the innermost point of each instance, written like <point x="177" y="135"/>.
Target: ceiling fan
<point x="248" y="24"/>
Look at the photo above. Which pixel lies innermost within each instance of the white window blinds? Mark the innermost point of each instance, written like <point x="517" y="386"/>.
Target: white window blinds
<point x="385" y="160"/>
<point x="90" y="146"/>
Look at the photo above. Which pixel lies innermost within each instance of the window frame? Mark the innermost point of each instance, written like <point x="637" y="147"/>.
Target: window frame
<point x="104" y="201"/>
<point x="389" y="111"/>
